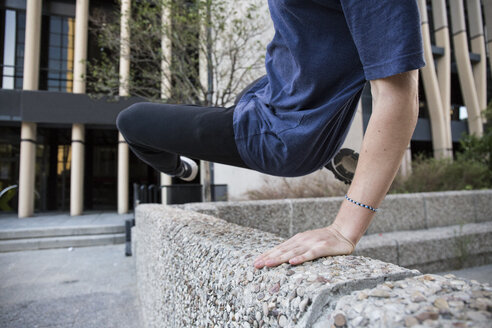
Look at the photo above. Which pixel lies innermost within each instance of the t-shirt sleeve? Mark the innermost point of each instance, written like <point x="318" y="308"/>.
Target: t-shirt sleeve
<point x="387" y="35"/>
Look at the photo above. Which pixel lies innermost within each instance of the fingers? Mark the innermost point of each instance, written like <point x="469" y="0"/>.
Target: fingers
<point x="306" y="246"/>
<point x="278" y="256"/>
<point x="276" y="259"/>
<point x="285" y="246"/>
<point x="309" y="255"/>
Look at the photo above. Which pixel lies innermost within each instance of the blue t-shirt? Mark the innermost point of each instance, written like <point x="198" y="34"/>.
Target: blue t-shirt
<point x="295" y="119"/>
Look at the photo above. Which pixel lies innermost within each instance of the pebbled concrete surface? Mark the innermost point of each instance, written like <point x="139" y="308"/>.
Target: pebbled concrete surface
<point x="482" y="273"/>
<point x="85" y="287"/>
<point x="195" y="270"/>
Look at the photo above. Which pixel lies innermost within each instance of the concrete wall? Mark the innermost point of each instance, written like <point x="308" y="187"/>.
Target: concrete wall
<point x="452" y="228"/>
<point x="196" y="270"/>
<point x="286" y="217"/>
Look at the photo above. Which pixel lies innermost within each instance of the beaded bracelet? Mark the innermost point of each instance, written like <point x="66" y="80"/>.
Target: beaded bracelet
<point x="360" y="204"/>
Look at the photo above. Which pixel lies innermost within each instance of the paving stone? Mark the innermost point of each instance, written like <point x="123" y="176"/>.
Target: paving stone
<point x="483" y="205"/>
<point x="449" y="208"/>
<point x="313" y="213"/>
<point x="399" y="212"/>
<point x="443" y="243"/>
<point x="378" y="246"/>
<point x="271" y="215"/>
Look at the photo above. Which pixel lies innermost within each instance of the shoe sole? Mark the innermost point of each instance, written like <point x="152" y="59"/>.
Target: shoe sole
<point x="194" y="169"/>
<point x="343" y="165"/>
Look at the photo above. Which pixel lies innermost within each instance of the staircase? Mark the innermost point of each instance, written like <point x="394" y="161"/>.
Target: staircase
<point x="60" y="237"/>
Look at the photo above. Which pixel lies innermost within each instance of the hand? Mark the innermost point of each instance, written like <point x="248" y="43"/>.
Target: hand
<point x="307" y="246"/>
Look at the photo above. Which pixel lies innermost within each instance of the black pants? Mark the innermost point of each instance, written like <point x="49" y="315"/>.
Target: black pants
<point x="159" y="133"/>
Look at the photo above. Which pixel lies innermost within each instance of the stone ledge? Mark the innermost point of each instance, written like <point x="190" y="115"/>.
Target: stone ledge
<point x="286" y="217"/>
<point x="195" y="270"/>
<point x="421" y="301"/>
<point x="435" y="249"/>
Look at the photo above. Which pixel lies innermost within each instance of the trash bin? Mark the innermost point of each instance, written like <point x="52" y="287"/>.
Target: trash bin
<point x="219" y="192"/>
<point x="183" y="193"/>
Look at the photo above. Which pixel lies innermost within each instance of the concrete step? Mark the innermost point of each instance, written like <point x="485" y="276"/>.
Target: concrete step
<point x="402" y="212"/>
<point x="432" y="250"/>
<point x="45" y="232"/>
<point x="13" y="245"/>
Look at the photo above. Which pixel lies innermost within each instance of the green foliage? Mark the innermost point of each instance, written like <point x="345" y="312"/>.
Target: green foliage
<point x="479" y="149"/>
<point x="472" y="168"/>
<point x="431" y="174"/>
<point x="177" y="35"/>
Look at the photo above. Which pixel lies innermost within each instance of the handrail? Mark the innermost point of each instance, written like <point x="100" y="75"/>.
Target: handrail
<point x="4" y="191"/>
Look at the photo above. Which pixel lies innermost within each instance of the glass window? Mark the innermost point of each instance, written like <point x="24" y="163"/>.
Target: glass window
<point x="65" y="27"/>
<point x="64" y="38"/>
<point x="55" y="24"/>
<point x="18" y="82"/>
<point x="54" y="53"/>
<point x="9" y="50"/>
<point x="21" y="36"/>
<point x="57" y="55"/>
<point x="54" y="40"/>
<point x="54" y="64"/>
<point x="13" y="49"/>
<point x="20" y="52"/>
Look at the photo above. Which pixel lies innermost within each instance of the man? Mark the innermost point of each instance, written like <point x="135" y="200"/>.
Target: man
<point x="293" y="121"/>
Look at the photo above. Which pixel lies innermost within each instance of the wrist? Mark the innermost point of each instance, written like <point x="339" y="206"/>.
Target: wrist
<point x="352" y="221"/>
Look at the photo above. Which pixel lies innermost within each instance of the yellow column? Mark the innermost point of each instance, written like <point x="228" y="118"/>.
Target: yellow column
<point x="487" y="5"/>
<point x="77" y="170"/>
<point x="432" y="92"/>
<point x="165" y="79"/>
<point x="405" y="168"/>
<point x="462" y="55"/>
<point x="78" y="129"/>
<point x="28" y="129"/>
<point x="123" y="154"/>
<point x="477" y="41"/>
<point x="443" y="65"/>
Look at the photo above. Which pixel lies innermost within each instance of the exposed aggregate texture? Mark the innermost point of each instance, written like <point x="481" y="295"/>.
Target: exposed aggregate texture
<point x="422" y="301"/>
<point x="195" y="270"/>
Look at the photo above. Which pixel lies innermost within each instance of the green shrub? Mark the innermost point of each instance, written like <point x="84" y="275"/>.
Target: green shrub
<point x="477" y="149"/>
<point x="472" y="168"/>
<point x="430" y="174"/>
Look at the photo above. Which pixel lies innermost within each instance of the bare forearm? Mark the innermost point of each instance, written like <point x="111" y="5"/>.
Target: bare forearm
<point x="388" y="133"/>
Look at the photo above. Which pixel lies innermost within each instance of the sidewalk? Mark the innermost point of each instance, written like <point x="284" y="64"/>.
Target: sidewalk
<point x="481" y="273"/>
<point x="85" y="287"/>
<point x="62" y="219"/>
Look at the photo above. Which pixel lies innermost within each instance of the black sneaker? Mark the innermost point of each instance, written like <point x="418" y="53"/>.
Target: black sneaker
<point x="190" y="169"/>
<point x="343" y="165"/>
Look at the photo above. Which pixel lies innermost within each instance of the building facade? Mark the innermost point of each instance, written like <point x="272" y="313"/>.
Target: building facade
<point x="61" y="147"/>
